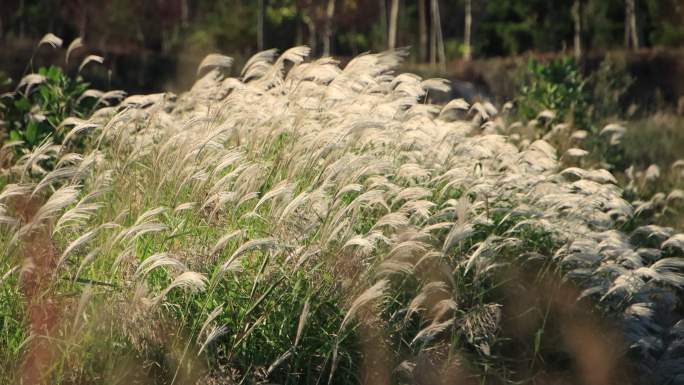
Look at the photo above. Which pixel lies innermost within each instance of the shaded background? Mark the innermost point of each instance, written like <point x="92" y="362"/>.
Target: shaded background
<point x="152" y="45"/>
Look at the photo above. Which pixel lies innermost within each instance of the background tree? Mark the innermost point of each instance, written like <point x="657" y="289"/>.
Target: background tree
<point x="173" y="34"/>
<point x="577" y="22"/>
<point x="631" y="33"/>
<point x="423" y="48"/>
<point x="467" y="50"/>
<point x="328" y="35"/>
<point x="393" y="20"/>
<point x="260" y="24"/>
<point x="437" y="44"/>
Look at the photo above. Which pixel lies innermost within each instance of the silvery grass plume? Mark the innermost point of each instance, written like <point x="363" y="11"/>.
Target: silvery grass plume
<point x="14" y="190"/>
<point x="90" y="59"/>
<point x="51" y="40"/>
<point x="60" y="199"/>
<point x="29" y="81"/>
<point x="189" y="280"/>
<point x="30" y="162"/>
<point x="373" y="293"/>
<point x="73" y="46"/>
<point x="156" y="261"/>
<point x="215" y="332"/>
<point x="215" y="60"/>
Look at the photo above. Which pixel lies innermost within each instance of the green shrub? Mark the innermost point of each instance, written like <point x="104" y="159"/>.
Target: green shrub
<point x="557" y="86"/>
<point x="31" y="114"/>
<point x="586" y="101"/>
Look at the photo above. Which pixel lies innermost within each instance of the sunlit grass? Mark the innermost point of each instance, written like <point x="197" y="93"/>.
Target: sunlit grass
<point x="311" y="224"/>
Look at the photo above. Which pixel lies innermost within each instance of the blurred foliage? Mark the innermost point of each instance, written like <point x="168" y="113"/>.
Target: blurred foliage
<point x="655" y="143"/>
<point x="454" y="48"/>
<point x="665" y="17"/>
<point x="513" y="27"/>
<point x="221" y="24"/>
<point x="518" y="26"/>
<point x="657" y="139"/>
<point x="608" y="86"/>
<point x="4" y="79"/>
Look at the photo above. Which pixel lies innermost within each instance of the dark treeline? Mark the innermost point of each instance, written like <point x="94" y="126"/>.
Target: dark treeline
<point x="346" y="27"/>
<point x="153" y="37"/>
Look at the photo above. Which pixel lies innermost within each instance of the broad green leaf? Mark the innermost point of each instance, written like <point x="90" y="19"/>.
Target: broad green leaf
<point x="14" y="135"/>
<point x="31" y="132"/>
<point x="22" y="104"/>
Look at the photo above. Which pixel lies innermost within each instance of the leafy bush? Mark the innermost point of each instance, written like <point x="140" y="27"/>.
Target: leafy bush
<point x="558" y="86"/>
<point x="33" y="113"/>
<point x="583" y="100"/>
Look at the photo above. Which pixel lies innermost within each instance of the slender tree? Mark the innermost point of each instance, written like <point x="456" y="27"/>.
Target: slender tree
<point x="260" y="24"/>
<point x="185" y="14"/>
<point x="309" y="20"/>
<point x="577" y="21"/>
<point x="382" y="4"/>
<point x="433" y="36"/>
<point x="467" y="51"/>
<point x="438" y="40"/>
<point x="423" y="48"/>
<point x="299" y="32"/>
<point x="83" y="26"/>
<point x="22" y="16"/>
<point x="631" y="36"/>
<point x="327" y="40"/>
<point x="393" y="21"/>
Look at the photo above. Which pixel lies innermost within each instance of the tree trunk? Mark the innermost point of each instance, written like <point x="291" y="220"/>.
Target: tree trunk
<point x="354" y="47"/>
<point x="260" y="25"/>
<point x="577" y="19"/>
<point x="184" y="13"/>
<point x="433" y="37"/>
<point x="423" y="48"/>
<point x="83" y="27"/>
<point x="437" y="28"/>
<point x="312" y="36"/>
<point x="394" y="19"/>
<point x="299" y="33"/>
<point x="631" y="36"/>
<point x="329" y="14"/>
<point x="22" y="15"/>
<point x="467" y="51"/>
<point x="383" y="21"/>
<point x="633" y="25"/>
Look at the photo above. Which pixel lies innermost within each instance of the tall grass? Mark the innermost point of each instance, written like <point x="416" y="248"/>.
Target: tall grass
<point x="306" y="223"/>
